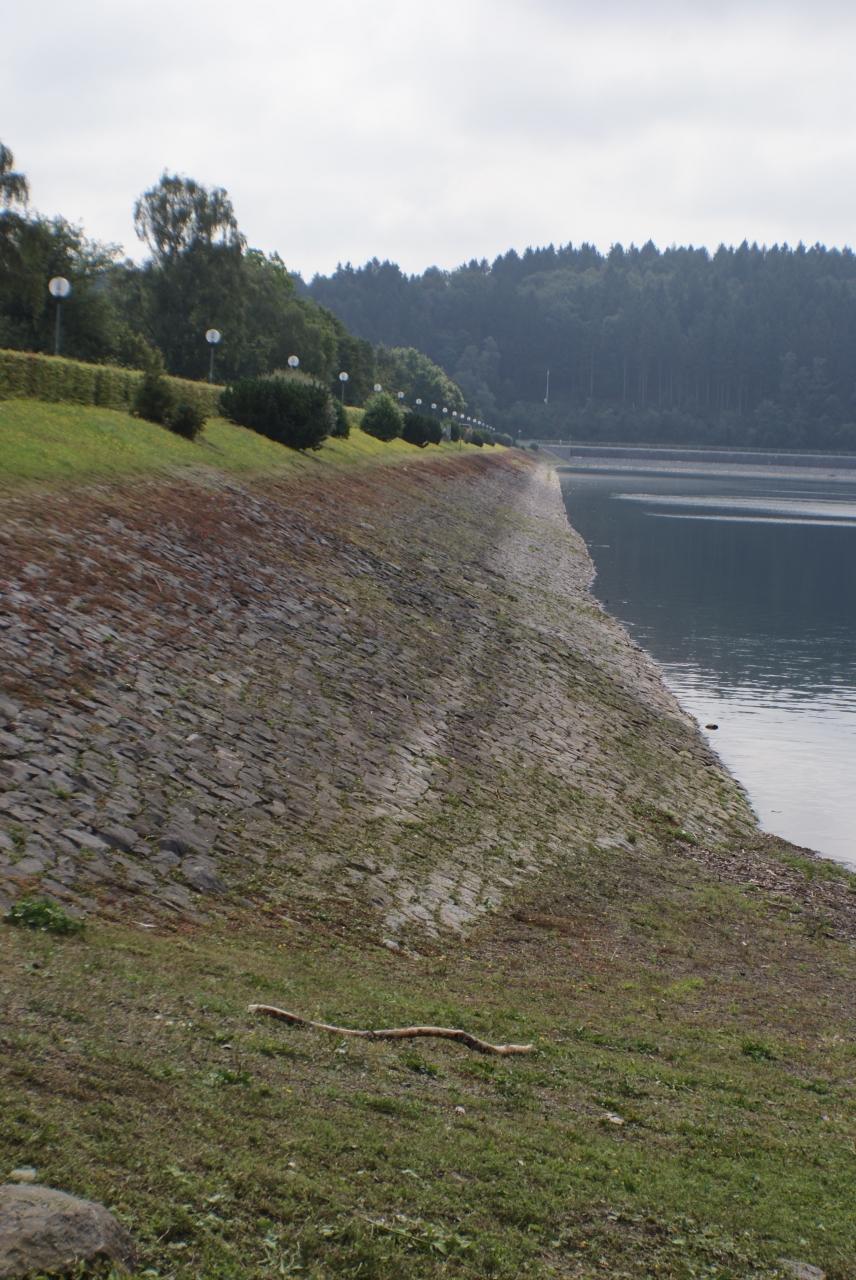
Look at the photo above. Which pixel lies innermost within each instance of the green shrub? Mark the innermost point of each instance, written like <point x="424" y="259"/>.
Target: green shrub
<point x="480" y="437"/>
<point x="757" y="1051"/>
<point x="382" y="418"/>
<point x="186" y="420"/>
<point x="503" y="439"/>
<point x="421" y="430"/>
<point x="343" y="421"/>
<point x="455" y="432"/>
<point x="43" y="915"/>
<point x="154" y="399"/>
<point x="296" y="412"/>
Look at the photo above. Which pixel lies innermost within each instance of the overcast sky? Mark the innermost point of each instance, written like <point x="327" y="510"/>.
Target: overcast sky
<point x="434" y="132"/>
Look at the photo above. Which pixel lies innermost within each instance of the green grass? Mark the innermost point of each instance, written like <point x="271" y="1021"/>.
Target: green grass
<point x="58" y="443"/>
<point x="235" y="1146"/>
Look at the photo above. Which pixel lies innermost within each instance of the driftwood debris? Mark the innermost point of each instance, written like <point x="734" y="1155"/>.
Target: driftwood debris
<point x="396" y="1033"/>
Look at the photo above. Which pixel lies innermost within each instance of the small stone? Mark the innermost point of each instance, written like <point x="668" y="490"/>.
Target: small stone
<point x="46" y="1230"/>
<point x="85" y="840"/>
<point x="199" y="877"/>
<point x="174" y="895"/>
<point x="118" y="837"/>
<point x="25" y="868"/>
<point x="9" y="710"/>
<point x="25" y="1174"/>
<point x="801" y="1270"/>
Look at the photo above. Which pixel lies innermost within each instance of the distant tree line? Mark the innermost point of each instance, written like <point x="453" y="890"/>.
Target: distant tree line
<point x="200" y="274"/>
<point x="746" y="346"/>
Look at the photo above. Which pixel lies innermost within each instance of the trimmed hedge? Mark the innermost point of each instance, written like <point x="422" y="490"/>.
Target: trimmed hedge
<point x="28" y="376"/>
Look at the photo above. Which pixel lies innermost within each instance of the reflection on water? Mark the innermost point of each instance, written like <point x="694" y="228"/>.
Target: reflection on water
<point x="744" y="590"/>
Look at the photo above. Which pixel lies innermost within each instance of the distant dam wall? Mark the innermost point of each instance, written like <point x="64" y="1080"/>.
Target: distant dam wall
<point x="654" y="453"/>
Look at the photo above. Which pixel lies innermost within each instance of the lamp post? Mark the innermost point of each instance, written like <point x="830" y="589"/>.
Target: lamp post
<point x="212" y="337"/>
<point x="59" y="288"/>
<point x="293" y="362"/>
<point x="445" y="411"/>
<point x="400" y="398"/>
<point x="343" y="378"/>
<point x="418" y="405"/>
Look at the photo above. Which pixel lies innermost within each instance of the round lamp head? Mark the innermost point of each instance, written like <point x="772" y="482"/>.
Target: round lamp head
<point x="418" y="401"/>
<point x="377" y="388"/>
<point x="213" y="336"/>
<point x="445" y="410"/>
<point x="401" y="395"/>
<point x="293" y="362"/>
<point x="60" y="287"/>
<point x="433" y="407"/>
<point x="343" y="377"/>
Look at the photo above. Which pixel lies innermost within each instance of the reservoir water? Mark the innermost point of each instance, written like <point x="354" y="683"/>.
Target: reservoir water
<point x="743" y="588"/>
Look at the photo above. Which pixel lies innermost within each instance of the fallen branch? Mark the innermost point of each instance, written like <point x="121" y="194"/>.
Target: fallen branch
<point x="395" y="1033"/>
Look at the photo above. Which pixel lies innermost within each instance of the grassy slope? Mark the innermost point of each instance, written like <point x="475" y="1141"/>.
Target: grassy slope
<point x="713" y="1017"/>
<point x="64" y="443"/>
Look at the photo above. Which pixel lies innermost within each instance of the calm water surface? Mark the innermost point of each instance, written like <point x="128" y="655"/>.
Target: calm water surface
<point x="744" y="590"/>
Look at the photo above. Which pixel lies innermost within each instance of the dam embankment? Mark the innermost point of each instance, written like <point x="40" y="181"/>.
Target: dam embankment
<point x="248" y="693"/>
<point x="358" y="741"/>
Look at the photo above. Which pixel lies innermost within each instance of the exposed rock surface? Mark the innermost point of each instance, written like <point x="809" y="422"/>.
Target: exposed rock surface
<point x="216" y="695"/>
<point x="801" y="1270"/>
<point x="46" y="1230"/>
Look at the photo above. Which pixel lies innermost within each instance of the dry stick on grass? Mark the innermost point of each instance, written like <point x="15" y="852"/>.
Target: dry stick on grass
<point x="396" y="1033"/>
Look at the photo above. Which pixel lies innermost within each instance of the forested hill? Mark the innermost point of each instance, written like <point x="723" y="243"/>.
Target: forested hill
<point x="746" y="346"/>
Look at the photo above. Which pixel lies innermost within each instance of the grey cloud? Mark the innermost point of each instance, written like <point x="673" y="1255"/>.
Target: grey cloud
<point x="436" y="132"/>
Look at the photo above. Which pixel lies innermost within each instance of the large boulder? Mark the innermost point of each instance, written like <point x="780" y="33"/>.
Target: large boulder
<point x="46" y="1230"/>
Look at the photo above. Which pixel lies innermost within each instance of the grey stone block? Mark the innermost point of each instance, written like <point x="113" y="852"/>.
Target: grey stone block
<point x="201" y="877"/>
<point x="46" y="1230"/>
<point x="25" y="869"/>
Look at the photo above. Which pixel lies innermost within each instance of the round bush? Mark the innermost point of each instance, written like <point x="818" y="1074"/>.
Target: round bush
<point x="414" y="430"/>
<point x="298" y="414"/>
<point x="421" y="430"/>
<point x="186" y="420"/>
<point x="382" y="418"/>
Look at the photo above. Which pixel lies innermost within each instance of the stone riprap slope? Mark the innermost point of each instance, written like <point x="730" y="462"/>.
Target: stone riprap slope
<point x="386" y="695"/>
